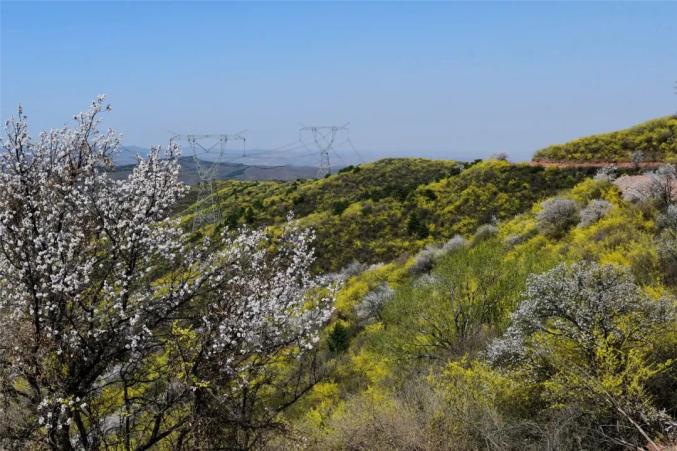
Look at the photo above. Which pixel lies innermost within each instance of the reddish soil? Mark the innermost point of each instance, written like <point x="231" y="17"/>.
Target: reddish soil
<point x="638" y="186"/>
<point x="632" y="186"/>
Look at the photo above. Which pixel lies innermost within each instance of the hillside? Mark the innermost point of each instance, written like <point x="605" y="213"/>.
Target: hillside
<point x="420" y="352"/>
<point x="655" y="139"/>
<point x="412" y="355"/>
<point x="379" y="211"/>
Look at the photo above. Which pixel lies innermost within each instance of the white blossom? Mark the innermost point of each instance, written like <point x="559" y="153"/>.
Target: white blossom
<point x="94" y="273"/>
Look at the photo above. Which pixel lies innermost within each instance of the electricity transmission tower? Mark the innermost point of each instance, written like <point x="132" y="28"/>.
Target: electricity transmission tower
<point x="324" y="138"/>
<point x="208" y="153"/>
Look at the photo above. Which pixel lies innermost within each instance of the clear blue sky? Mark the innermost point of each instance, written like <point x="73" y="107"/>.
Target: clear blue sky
<point x="454" y="80"/>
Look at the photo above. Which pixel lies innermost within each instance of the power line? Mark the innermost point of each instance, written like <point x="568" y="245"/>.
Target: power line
<point x="324" y="137"/>
<point x="214" y="147"/>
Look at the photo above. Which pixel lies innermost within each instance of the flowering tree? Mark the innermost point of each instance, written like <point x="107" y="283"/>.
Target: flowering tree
<point x="114" y="331"/>
<point x="587" y="332"/>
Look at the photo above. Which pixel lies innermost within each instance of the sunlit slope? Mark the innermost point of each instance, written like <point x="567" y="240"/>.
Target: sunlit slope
<point x="408" y="346"/>
<point x="655" y="139"/>
<point x="379" y="211"/>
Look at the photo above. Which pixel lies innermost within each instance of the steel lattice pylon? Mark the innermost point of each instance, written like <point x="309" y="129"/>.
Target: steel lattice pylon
<point x="324" y="137"/>
<point x="208" y="155"/>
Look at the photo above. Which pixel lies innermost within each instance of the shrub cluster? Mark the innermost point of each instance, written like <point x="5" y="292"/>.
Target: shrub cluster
<point x="593" y="212"/>
<point x="557" y="216"/>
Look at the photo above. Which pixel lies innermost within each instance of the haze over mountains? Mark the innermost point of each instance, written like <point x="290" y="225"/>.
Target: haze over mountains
<point x="225" y="170"/>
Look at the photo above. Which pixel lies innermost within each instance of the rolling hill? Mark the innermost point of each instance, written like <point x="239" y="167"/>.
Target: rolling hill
<point x="379" y="211"/>
<point x="444" y="261"/>
<point x="655" y="139"/>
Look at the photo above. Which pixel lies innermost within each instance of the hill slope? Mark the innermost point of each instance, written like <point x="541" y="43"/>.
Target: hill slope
<point x="656" y="139"/>
<point x="409" y="352"/>
<point x="379" y="211"/>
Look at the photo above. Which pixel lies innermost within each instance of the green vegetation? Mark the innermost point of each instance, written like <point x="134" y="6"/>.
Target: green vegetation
<point x="457" y="338"/>
<point x="476" y="353"/>
<point x="380" y="211"/>
<point x="655" y="140"/>
<point x="451" y="306"/>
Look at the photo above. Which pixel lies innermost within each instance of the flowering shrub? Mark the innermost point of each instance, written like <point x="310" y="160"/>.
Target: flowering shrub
<point x="666" y="243"/>
<point x="578" y="303"/>
<point x="607" y="174"/>
<point x="557" y="216"/>
<point x="668" y="219"/>
<point x="662" y="186"/>
<point x="455" y="243"/>
<point x="373" y="303"/>
<point x="101" y="296"/>
<point x="593" y="212"/>
<point x="425" y="259"/>
<point x="485" y="231"/>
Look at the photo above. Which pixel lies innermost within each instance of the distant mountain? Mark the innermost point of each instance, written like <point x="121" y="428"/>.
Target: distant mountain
<point x="223" y="171"/>
<point x="127" y="155"/>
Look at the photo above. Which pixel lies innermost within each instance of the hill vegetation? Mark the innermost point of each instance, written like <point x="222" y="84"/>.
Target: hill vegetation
<point x="410" y="305"/>
<point x="379" y="211"/>
<point x="651" y="141"/>
<point x="472" y="349"/>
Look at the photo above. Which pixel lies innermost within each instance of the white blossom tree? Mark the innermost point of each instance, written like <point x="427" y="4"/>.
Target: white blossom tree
<point x="586" y="332"/>
<point x="114" y="330"/>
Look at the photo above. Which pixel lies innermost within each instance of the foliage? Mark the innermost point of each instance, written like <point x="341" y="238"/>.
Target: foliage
<point x="424" y="260"/>
<point x="655" y="139"/>
<point x="446" y="317"/>
<point x="485" y="231"/>
<point x="373" y="303"/>
<point x="491" y="191"/>
<point x="593" y="212"/>
<point x="581" y="304"/>
<point x="557" y="216"/>
<point x="666" y="248"/>
<point x="662" y="185"/>
<point x="453" y="244"/>
<point x="338" y="338"/>
<point x="453" y="311"/>
<point x="478" y="332"/>
<point x="606" y="174"/>
<point x="587" y="327"/>
<point x="667" y="220"/>
<point x="390" y="207"/>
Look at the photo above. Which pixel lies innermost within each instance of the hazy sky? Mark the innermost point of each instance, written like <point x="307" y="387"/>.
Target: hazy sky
<point x="445" y="80"/>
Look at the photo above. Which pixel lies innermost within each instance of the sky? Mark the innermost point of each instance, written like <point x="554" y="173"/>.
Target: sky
<point x="439" y="80"/>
